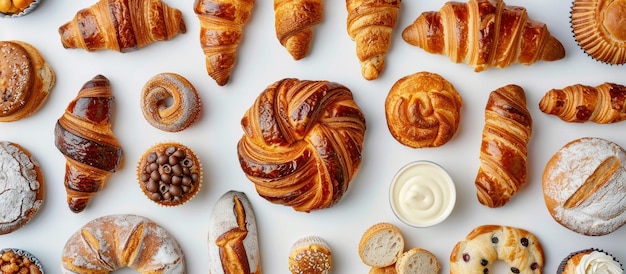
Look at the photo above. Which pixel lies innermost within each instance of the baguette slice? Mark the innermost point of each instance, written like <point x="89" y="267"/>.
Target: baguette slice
<point x="381" y="245"/>
<point x="417" y="260"/>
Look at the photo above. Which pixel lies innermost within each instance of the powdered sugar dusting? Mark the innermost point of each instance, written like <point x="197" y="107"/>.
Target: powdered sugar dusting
<point x="19" y="187"/>
<point x="605" y="210"/>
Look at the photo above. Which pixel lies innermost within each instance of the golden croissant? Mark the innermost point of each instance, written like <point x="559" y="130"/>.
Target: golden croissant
<point x="294" y="20"/>
<point x="578" y="103"/>
<point x="370" y="24"/>
<point x="221" y="31"/>
<point x="122" y="25"/>
<point x="483" y="34"/>
<point x="503" y="151"/>
<point x="85" y="137"/>
<point x="302" y="143"/>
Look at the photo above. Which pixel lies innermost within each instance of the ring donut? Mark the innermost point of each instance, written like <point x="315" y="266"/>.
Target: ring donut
<point x="518" y="248"/>
<point x="170" y="102"/>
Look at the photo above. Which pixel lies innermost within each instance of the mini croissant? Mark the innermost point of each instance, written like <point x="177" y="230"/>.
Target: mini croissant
<point x="370" y="25"/>
<point x="578" y="103"/>
<point x="221" y="30"/>
<point x="294" y="20"/>
<point x="84" y="135"/>
<point x="503" y="151"/>
<point x="483" y="34"/>
<point x="122" y="25"/>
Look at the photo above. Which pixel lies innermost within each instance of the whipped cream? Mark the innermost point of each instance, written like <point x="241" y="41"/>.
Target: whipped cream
<point x="598" y="263"/>
<point x="422" y="194"/>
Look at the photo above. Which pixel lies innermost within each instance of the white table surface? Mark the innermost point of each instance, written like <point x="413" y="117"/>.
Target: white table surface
<point x="262" y="61"/>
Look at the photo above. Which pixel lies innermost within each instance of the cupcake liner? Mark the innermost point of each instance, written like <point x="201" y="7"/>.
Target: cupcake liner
<point x="142" y="163"/>
<point x="563" y="263"/>
<point x="27" y="10"/>
<point x="310" y="240"/>
<point x="24" y="254"/>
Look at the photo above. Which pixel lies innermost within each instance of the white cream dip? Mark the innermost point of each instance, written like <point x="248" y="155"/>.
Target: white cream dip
<point x="598" y="263"/>
<point x="422" y="194"/>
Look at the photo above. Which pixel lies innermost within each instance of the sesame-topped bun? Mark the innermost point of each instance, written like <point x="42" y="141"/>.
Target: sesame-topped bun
<point x="310" y="255"/>
<point x="17" y="8"/>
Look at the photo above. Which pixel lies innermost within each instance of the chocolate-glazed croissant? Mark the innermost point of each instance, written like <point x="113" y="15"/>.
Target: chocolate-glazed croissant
<point x="578" y="103"/>
<point x="302" y="143"/>
<point x="122" y="25"/>
<point x="85" y="137"/>
<point x="483" y="34"/>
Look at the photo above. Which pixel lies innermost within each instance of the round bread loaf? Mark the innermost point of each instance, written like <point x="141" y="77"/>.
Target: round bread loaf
<point x="584" y="184"/>
<point x="25" y="80"/>
<point x="21" y="187"/>
<point x="112" y="242"/>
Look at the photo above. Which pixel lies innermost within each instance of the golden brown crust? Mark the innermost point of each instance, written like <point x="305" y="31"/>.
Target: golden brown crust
<point x="294" y="22"/>
<point x="184" y="109"/>
<point x="302" y="143"/>
<point x="370" y="24"/>
<point x="122" y="25"/>
<point x="25" y="80"/>
<point x="485" y="244"/>
<point x="221" y="31"/>
<point x="84" y="135"/>
<point x="383" y="270"/>
<point x="381" y="245"/>
<point x="112" y="242"/>
<point x="503" y="151"/>
<point x="599" y="29"/>
<point x="423" y="110"/>
<point x="602" y="104"/>
<point x="473" y="37"/>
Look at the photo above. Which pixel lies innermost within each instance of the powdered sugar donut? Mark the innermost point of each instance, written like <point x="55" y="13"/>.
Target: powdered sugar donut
<point x="21" y="187"/>
<point x="170" y="102"/>
<point x="584" y="185"/>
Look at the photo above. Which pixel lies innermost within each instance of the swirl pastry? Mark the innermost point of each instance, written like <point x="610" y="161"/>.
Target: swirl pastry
<point x="599" y="29"/>
<point x="423" y="110"/>
<point x="175" y="115"/>
<point x="25" y="80"/>
<point x="302" y="143"/>
<point x="503" y="150"/>
<point x="85" y="137"/>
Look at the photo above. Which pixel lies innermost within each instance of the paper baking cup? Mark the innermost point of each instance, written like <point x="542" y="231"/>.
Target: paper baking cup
<point x="30" y="8"/>
<point x="422" y="194"/>
<point x="24" y="253"/>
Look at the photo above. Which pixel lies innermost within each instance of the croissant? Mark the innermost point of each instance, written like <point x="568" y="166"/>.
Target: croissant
<point x="302" y="143"/>
<point x="370" y="25"/>
<point x="578" y="103"/>
<point x="221" y="30"/>
<point x="483" y="34"/>
<point x="294" y="20"/>
<point x="84" y="136"/>
<point x="122" y="25"/>
<point x="503" y="151"/>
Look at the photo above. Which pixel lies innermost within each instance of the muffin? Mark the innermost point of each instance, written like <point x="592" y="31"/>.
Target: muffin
<point x="17" y="8"/>
<point x="169" y="173"/>
<point x="599" y="29"/>
<point x="21" y="187"/>
<point x="13" y="260"/>
<point x="590" y="260"/>
<point x="310" y="255"/>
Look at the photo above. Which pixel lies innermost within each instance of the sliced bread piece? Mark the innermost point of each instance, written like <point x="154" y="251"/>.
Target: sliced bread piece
<point x="417" y="260"/>
<point x="381" y="245"/>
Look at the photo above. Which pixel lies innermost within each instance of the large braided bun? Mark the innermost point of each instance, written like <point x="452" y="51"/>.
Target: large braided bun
<point x="302" y="143"/>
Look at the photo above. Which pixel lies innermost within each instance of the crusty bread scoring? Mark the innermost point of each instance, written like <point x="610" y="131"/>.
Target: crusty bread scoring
<point x="381" y="244"/>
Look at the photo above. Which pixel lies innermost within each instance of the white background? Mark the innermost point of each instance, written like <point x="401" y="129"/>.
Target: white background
<point x="262" y="61"/>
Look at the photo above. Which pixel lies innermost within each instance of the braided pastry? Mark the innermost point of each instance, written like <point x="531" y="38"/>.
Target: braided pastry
<point x="177" y="115"/>
<point x="518" y="248"/>
<point x="302" y="143"/>
<point x="483" y="34"/>
<point x="503" y="151"/>
<point x="423" y="110"/>
<point x="578" y="103"/>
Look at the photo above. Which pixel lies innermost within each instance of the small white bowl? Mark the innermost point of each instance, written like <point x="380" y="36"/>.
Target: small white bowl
<point x="422" y="194"/>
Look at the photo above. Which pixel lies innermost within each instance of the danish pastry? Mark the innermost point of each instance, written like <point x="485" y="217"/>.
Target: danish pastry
<point x="599" y="29"/>
<point x="170" y="102"/>
<point x="423" y="110"/>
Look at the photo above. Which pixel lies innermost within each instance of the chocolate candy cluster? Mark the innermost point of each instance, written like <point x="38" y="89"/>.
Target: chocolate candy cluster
<point x="170" y="174"/>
